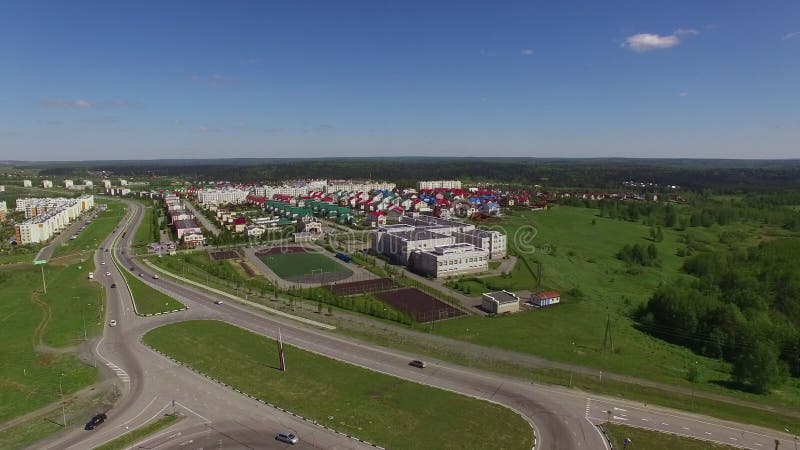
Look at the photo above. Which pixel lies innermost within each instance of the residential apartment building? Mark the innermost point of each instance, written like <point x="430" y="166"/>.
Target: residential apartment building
<point x="88" y="184"/>
<point x="449" y="260"/>
<point x="123" y="182"/>
<point x="358" y="186"/>
<point x="27" y="183"/>
<point x="221" y="196"/>
<point x="47" y="184"/>
<point x="3" y="210"/>
<point x="68" y="184"/>
<point x="47" y="217"/>
<point x="439" y="184"/>
<point x="106" y="184"/>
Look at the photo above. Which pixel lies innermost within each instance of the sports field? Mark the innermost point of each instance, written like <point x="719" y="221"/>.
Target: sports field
<point x="379" y="408"/>
<point x="303" y="266"/>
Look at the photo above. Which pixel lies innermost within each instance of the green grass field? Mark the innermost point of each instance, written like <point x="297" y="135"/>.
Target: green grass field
<point x="147" y="299"/>
<point x="140" y="433"/>
<point x="294" y="266"/>
<point x="144" y="234"/>
<point x="91" y="237"/>
<point x="653" y="440"/>
<point x="579" y="261"/>
<point x="30" y="379"/>
<point x="372" y="406"/>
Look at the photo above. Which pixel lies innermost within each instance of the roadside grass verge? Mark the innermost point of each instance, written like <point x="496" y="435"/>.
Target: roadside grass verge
<point x="373" y="406"/>
<point x="94" y="233"/>
<point x="147" y="299"/>
<point x="145" y="233"/>
<point x="140" y="433"/>
<point x="30" y="379"/>
<point x="653" y="440"/>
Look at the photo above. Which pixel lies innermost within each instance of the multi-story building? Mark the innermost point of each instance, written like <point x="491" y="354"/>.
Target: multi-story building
<point x="492" y="241"/>
<point x="449" y="260"/>
<point x="221" y="196"/>
<point x="194" y="240"/>
<point x="118" y="191"/>
<point x="186" y="227"/>
<point x="48" y="216"/>
<point x="2" y="188"/>
<point x="47" y="184"/>
<point x="68" y="184"/>
<point x="439" y="184"/>
<point x="269" y="192"/>
<point x="358" y="186"/>
<point x="88" y="184"/>
<point x="123" y="182"/>
<point x="106" y="184"/>
<point x="3" y="210"/>
<point x="399" y="241"/>
<point x="27" y="183"/>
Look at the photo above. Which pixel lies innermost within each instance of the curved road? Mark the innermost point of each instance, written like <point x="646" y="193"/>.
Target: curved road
<point x="218" y="417"/>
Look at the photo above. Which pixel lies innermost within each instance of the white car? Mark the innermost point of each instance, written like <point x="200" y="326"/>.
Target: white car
<point x="103" y="263"/>
<point x="113" y="323"/>
<point x="155" y="277"/>
<point x="108" y="274"/>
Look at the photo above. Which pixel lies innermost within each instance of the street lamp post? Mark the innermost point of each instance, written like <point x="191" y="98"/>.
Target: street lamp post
<point x="63" y="408"/>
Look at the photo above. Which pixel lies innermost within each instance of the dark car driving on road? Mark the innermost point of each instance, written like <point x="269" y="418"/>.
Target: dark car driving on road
<point x="96" y="420"/>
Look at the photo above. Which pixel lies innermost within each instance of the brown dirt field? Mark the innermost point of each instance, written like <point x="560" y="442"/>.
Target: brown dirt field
<point x="361" y="287"/>
<point x="421" y="306"/>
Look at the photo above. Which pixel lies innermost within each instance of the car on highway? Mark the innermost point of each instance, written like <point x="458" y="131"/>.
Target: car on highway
<point x="155" y="276"/>
<point x="417" y="363"/>
<point x="113" y="285"/>
<point x="106" y="250"/>
<point x="108" y="274"/>
<point x="141" y="274"/>
<point x="218" y="302"/>
<point x="289" y="438"/>
<point x="103" y="263"/>
<point x="95" y="421"/>
<point x="133" y="268"/>
<point x="113" y="323"/>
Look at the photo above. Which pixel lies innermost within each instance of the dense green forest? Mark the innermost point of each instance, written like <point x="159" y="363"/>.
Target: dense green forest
<point x="743" y="306"/>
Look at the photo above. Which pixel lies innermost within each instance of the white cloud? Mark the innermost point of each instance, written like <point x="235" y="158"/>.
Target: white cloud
<point x="791" y="35"/>
<point x="644" y="42"/>
<point x="85" y="104"/>
<point x="683" y="94"/>
<point x="527" y="51"/>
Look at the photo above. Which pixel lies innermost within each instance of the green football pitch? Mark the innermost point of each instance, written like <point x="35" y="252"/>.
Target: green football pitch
<point x="305" y="267"/>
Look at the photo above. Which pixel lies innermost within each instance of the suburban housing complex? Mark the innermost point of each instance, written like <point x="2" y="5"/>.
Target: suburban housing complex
<point x="46" y="217"/>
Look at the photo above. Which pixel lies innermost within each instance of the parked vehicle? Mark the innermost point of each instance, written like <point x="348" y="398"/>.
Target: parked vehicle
<point x="155" y="276"/>
<point x="218" y="302"/>
<point x="344" y="257"/>
<point x="95" y="421"/>
<point x="289" y="438"/>
<point x="91" y="275"/>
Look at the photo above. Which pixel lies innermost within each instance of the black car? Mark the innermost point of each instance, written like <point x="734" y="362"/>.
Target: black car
<point x="113" y="285"/>
<point x="96" y="420"/>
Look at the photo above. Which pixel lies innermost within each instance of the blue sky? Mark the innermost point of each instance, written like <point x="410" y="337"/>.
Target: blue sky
<point x="91" y="80"/>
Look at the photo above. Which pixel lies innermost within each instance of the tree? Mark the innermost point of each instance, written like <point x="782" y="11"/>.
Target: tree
<point x="659" y="235"/>
<point x="758" y="366"/>
<point x="652" y="252"/>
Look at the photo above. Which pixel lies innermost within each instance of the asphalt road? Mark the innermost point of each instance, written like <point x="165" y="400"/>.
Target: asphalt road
<point x="218" y="417"/>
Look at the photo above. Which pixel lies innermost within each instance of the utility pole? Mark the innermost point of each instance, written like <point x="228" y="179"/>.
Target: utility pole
<point x="281" y="358"/>
<point x="608" y="339"/>
<point x="63" y="409"/>
<point x="539" y="277"/>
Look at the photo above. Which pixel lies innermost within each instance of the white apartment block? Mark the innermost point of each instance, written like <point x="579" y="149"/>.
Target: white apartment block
<point x="48" y="216"/>
<point x="221" y="196"/>
<point x="358" y="186"/>
<point x="449" y="260"/>
<point x="270" y="191"/>
<point x="106" y="184"/>
<point x="47" y="184"/>
<point x="2" y="188"/>
<point x="27" y="183"/>
<point x="3" y="210"/>
<point x="88" y="184"/>
<point x="68" y="184"/>
<point x="123" y="182"/>
<point x="439" y="184"/>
